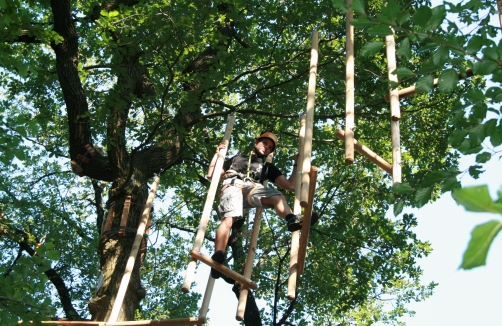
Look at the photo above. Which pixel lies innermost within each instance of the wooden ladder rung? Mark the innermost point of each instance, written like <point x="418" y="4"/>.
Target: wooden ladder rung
<point x="225" y="270"/>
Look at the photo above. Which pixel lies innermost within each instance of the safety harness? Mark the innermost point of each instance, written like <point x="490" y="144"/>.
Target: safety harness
<point x="234" y="174"/>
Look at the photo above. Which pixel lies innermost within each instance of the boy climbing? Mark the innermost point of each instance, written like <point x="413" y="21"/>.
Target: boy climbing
<point x="242" y="188"/>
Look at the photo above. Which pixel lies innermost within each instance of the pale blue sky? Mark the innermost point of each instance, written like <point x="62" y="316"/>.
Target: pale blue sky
<point x="462" y="297"/>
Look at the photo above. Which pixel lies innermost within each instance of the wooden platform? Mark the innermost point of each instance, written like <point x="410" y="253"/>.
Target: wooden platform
<point x="180" y="321"/>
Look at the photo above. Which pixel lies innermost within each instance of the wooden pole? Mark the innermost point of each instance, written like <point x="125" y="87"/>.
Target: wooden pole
<point x="368" y="153"/>
<point x="248" y="268"/>
<point x="134" y="252"/>
<point x="207" y="298"/>
<point x="500" y="12"/>
<point x="307" y="214"/>
<point x="297" y="209"/>
<point x="349" y="89"/>
<point x="208" y="206"/>
<point x="391" y="67"/>
<point x="394" y="109"/>
<point x="396" y="152"/>
<point x="307" y="150"/>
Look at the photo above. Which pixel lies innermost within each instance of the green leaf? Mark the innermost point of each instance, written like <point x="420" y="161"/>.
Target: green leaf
<point x="398" y="207"/>
<point x="402" y="188"/>
<point x="357" y="6"/>
<point x="424" y="84"/>
<point x="448" y="79"/>
<point x="466" y="149"/>
<point x="52" y="254"/>
<point x="481" y="239"/>
<point x="435" y="177"/>
<point x="476" y="199"/>
<point x="496" y="136"/>
<point x="493" y="92"/>
<point x="440" y="56"/>
<point x="340" y="4"/>
<point x="422" y="16"/>
<point x="477" y="135"/>
<point x="404" y="49"/>
<point x="437" y="17"/>
<point x="475" y="44"/>
<point x="490" y="53"/>
<point x="379" y="30"/>
<point x="403" y="73"/>
<point x="475" y="95"/>
<point x="390" y="9"/>
<point x="483" y="157"/>
<point x="479" y="110"/>
<point x="484" y="67"/>
<point x="403" y="17"/>
<point x="371" y="48"/>
<point x="450" y="184"/>
<point x="422" y="196"/>
<point x="362" y="22"/>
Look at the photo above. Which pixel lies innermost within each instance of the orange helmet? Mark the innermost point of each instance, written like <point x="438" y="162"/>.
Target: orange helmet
<point x="270" y="136"/>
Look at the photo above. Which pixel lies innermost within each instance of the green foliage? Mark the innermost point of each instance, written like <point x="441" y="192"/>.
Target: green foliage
<point x="22" y="284"/>
<point x="194" y="69"/>
<point x="477" y="199"/>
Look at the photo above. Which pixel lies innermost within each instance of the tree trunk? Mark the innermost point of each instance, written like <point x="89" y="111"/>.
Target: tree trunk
<point x="114" y="253"/>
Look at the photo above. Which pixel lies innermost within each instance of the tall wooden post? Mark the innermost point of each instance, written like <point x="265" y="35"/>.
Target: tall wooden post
<point x="349" y="89"/>
<point x="207" y="298"/>
<point x="500" y="12"/>
<point x="297" y="209"/>
<point x="394" y="109"/>
<point x="134" y="253"/>
<point x="304" y="164"/>
<point x="208" y="206"/>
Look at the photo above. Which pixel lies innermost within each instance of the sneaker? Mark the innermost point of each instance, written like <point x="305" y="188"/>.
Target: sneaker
<point x="295" y="221"/>
<point x="218" y="257"/>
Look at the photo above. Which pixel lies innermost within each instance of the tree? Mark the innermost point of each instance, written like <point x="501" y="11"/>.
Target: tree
<point x="476" y="117"/>
<point x="152" y="83"/>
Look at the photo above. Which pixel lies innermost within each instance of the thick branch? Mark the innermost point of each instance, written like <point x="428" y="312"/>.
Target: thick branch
<point x="67" y="69"/>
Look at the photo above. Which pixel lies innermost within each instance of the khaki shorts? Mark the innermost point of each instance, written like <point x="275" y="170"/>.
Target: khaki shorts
<point x="234" y="197"/>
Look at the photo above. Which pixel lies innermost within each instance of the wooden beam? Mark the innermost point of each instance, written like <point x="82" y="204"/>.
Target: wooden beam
<point x="224" y="269"/>
<point x="368" y="153"/>
<point x="179" y="321"/>
<point x="410" y="91"/>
